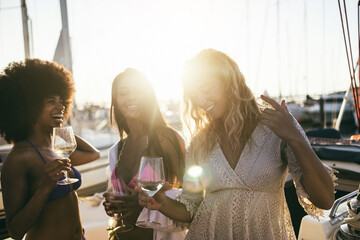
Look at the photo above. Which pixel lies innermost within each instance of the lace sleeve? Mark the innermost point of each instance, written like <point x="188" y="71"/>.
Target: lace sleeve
<point x="295" y="171"/>
<point x="192" y="194"/>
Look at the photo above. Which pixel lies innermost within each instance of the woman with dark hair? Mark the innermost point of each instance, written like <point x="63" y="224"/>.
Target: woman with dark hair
<point x="245" y="152"/>
<point x="35" y="97"/>
<point x="143" y="131"/>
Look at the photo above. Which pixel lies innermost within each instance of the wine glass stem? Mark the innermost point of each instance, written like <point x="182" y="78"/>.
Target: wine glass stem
<point x="65" y="175"/>
<point x="149" y="211"/>
<point x="122" y="221"/>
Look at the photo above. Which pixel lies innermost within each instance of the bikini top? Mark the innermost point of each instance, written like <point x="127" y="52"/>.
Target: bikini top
<point x="61" y="190"/>
<point x="132" y="184"/>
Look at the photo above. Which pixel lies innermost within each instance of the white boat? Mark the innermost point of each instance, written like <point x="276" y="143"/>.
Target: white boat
<point x="329" y="226"/>
<point x="332" y="105"/>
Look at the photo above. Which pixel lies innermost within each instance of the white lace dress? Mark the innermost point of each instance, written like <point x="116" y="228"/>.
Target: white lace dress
<point x="247" y="202"/>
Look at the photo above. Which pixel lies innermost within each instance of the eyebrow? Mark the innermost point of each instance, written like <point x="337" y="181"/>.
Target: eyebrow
<point x="123" y="87"/>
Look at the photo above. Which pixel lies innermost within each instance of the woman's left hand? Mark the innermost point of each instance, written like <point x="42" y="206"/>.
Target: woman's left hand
<point x="279" y="120"/>
<point x="315" y="177"/>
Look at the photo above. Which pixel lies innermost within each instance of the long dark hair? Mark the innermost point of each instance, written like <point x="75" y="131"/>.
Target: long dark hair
<point x="154" y="123"/>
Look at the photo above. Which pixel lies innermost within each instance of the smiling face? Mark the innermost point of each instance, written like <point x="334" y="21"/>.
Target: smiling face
<point x="209" y="94"/>
<point x="130" y="95"/>
<point x="52" y="114"/>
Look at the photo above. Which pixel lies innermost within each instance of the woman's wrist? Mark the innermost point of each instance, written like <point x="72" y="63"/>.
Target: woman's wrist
<point x="163" y="204"/>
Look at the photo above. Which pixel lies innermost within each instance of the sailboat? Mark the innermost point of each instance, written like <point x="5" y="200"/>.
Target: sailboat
<point x="342" y="221"/>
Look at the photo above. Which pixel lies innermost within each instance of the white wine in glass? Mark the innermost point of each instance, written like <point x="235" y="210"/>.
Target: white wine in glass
<point x="64" y="144"/>
<point x="150" y="178"/>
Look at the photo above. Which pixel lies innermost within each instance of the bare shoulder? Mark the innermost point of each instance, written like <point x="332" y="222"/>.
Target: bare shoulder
<point x="18" y="158"/>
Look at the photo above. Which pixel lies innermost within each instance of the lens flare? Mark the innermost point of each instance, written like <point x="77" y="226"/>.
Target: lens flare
<point x="194" y="179"/>
<point x="195" y="171"/>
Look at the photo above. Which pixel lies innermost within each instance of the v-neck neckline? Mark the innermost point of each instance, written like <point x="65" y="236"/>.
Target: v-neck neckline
<point x="226" y="160"/>
<point x="241" y="154"/>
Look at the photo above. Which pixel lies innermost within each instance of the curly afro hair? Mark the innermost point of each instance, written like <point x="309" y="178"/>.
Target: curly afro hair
<point x="24" y="86"/>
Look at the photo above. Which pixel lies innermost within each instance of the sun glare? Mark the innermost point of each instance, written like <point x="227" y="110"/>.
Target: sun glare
<point x="195" y="171"/>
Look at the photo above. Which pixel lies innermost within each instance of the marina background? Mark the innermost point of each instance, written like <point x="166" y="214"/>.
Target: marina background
<point x="286" y="48"/>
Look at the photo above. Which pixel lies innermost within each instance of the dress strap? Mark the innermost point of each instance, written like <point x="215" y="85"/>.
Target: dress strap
<point x="37" y="150"/>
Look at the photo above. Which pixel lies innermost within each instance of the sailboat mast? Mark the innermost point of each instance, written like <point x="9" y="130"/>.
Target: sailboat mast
<point x="25" y="21"/>
<point x="278" y="43"/>
<point x="306" y="48"/>
<point x="65" y="37"/>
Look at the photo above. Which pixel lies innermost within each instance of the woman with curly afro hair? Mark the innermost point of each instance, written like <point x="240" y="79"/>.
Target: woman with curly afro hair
<point x="35" y="97"/>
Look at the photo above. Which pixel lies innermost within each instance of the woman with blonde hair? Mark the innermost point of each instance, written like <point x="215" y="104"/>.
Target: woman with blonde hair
<point x="245" y="153"/>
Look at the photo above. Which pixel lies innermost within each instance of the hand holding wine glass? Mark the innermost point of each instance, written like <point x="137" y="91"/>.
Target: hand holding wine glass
<point x="150" y="178"/>
<point x="117" y="187"/>
<point x="64" y="144"/>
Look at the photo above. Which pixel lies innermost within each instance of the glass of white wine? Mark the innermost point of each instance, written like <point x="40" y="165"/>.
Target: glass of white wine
<point x="150" y="178"/>
<point x="64" y="144"/>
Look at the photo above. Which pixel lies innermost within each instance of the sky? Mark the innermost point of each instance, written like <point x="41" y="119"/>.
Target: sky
<point x="285" y="47"/>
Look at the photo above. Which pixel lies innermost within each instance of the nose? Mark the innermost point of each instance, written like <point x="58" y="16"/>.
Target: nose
<point x="133" y="95"/>
<point x="201" y="99"/>
<point x="61" y="106"/>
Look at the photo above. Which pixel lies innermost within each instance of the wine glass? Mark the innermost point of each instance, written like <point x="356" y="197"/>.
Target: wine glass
<point x="150" y="178"/>
<point x="64" y="144"/>
<point x="117" y="187"/>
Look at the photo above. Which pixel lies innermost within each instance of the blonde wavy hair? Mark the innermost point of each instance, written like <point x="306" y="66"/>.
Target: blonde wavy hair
<point x="243" y="111"/>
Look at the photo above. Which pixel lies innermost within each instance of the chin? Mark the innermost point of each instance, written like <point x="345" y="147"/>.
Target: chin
<point x="132" y="116"/>
<point x="56" y="124"/>
<point x="216" y="116"/>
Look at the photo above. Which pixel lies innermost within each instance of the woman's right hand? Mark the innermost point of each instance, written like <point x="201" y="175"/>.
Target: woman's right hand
<point x="127" y="205"/>
<point x="54" y="171"/>
<point x="157" y="200"/>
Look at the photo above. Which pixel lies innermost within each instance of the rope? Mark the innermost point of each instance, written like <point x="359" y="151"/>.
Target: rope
<point x="349" y="39"/>
<point x="353" y="84"/>
<point x="353" y="218"/>
<point x="358" y="14"/>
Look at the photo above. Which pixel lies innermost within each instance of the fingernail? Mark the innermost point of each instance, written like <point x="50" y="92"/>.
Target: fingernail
<point x="151" y="200"/>
<point x="261" y="95"/>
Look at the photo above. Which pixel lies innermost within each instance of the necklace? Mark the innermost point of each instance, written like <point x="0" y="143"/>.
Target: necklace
<point x="120" y="152"/>
<point x="123" y="146"/>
